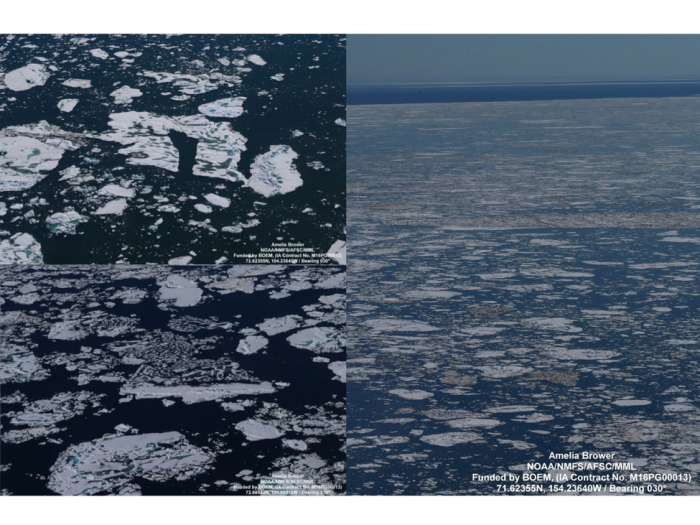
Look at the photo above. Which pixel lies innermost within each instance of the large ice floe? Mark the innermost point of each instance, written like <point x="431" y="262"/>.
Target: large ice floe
<point x="21" y="248"/>
<point x="87" y="351"/>
<point x="146" y="135"/>
<point x="29" y="152"/>
<point x="27" y="77"/>
<point x="109" y="464"/>
<point x="273" y="173"/>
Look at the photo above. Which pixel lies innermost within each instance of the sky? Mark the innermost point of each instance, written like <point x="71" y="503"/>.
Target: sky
<point x="435" y="59"/>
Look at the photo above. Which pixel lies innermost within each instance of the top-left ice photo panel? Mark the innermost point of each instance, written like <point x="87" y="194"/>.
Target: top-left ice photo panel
<point x="172" y="149"/>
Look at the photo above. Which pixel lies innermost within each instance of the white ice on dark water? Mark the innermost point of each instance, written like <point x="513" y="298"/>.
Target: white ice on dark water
<point x="99" y="53"/>
<point x="217" y="200"/>
<point x="109" y="464"/>
<point x="125" y="95"/>
<point x="273" y="173"/>
<point x="116" y="190"/>
<point x="251" y="344"/>
<point x="183" y="291"/>
<point x="198" y="393"/>
<point x="319" y="340"/>
<point x="256" y="431"/>
<point x="146" y="135"/>
<point x="78" y="83"/>
<point x="27" y="77"/>
<point x="21" y="248"/>
<point x="115" y="207"/>
<point x="67" y="104"/>
<point x="224" y="108"/>
<point x="29" y="152"/>
<point x="65" y="222"/>
<point x="256" y="59"/>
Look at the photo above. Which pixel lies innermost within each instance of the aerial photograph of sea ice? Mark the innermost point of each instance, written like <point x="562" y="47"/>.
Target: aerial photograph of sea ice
<point x="157" y="380"/>
<point x="524" y="285"/>
<point x="172" y="149"/>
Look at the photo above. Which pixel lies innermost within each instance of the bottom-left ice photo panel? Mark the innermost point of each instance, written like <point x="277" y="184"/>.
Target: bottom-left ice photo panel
<point x="163" y="380"/>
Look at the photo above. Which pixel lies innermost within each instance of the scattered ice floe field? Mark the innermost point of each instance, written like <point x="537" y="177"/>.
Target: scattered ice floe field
<point x="134" y="133"/>
<point x="522" y="282"/>
<point x="156" y="380"/>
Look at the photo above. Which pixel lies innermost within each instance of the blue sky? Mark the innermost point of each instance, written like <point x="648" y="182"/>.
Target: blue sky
<point x="434" y="59"/>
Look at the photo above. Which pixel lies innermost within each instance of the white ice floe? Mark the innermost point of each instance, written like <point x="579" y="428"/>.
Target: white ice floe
<point x="183" y="291"/>
<point x="273" y="173"/>
<point x="449" y="439"/>
<point x="29" y="152"/>
<point x="472" y="422"/>
<point x="340" y="122"/>
<point x="251" y="344"/>
<point x="319" y="340"/>
<point x="21" y="248"/>
<point x="67" y="104"/>
<point x="295" y="444"/>
<point x="17" y="364"/>
<point x="99" y="53"/>
<point x="180" y="261"/>
<point x="256" y="59"/>
<point x="279" y="77"/>
<point x="502" y="371"/>
<point x="67" y="331"/>
<point x="78" y="83"/>
<point x="279" y="325"/>
<point x="339" y="369"/>
<point x="337" y="252"/>
<point x="203" y="208"/>
<point x="216" y="200"/>
<point x="69" y="173"/>
<point x="65" y="222"/>
<point x="116" y="190"/>
<point x="198" y="393"/>
<point x="27" y="77"/>
<point x="125" y="95"/>
<point x="224" y="108"/>
<point x="411" y="394"/>
<point x="238" y="228"/>
<point x="256" y="431"/>
<point x="111" y="463"/>
<point x="186" y="84"/>
<point x="146" y="135"/>
<point x="115" y="207"/>
<point x="631" y="402"/>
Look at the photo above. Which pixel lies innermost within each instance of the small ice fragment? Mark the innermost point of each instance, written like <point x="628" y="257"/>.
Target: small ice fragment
<point x="217" y="200"/>
<point x="256" y="59"/>
<point x="116" y="190"/>
<point x="115" y="207"/>
<point x="67" y="104"/>
<point x="78" y="83"/>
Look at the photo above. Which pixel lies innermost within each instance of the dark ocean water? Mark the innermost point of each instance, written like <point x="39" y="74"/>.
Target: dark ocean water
<point x="418" y="94"/>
